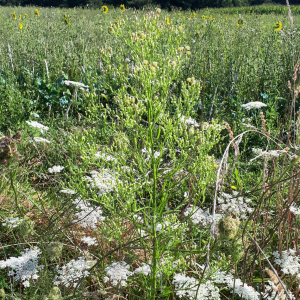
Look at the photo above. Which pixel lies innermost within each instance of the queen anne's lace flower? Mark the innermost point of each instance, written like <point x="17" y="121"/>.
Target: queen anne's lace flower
<point x="56" y="169"/>
<point x="41" y="140"/>
<point x="199" y="216"/>
<point x="289" y="261"/>
<point x="38" y="125"/>
<point x="88" y="216"/>
<point x="24" y="267"/>
<point x="144" y="269"/>
<point x="76" y="84"/>
<point x="190" y="287"/>
<point x="295" y="210"/>
<point x="117" y="273"/>
<point x="90" y="241"/>
<point x="234" y="205"/>
<point x="104" y="180"/>
<point x="242" y="289"/>
<point x="72" y="272"/>
<point x="12" y="222"/>
<point x="256" y="104"/>
<point x="68" y="191"/>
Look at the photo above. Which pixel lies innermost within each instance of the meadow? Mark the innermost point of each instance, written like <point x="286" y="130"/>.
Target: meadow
<point x="149" y="154"/>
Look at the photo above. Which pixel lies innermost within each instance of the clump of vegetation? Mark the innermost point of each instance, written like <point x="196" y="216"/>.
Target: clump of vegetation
<point x="149" y="154"/>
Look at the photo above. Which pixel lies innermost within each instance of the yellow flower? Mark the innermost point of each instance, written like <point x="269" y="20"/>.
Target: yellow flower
<point x="26" y="16"/>
<point x="203" y="17"/>
<point x="168" y="20"/>
<point x="104" y="9"/>
<point x="194" y="14"/>
<point x="158" y="10"/>
<point x="20" y="17"/>
<point x="58" y="12"/>
<point x="15" y="16"/>
<point x="155" y="64"/>
<point x="278" y="26"/>
<point x="37" y="12"/>
<point x="233" y="187"/>
<point x="122" y="6"/>
<point x="188" y="48"/>
<point x="240" y="22"/>
<point x="20" y="26"/>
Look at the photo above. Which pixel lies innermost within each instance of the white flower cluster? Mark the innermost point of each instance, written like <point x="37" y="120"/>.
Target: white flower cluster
<point x="242" y="289"/>
<point x="12" y="222"/>
<point x="105" y="156"/>
<point x="56" y="169"/>
<point x="143" y="269"/>
<point x="24" y="267"/>
<point x="90" y="241"/>
<point x="275" y="293"/>
<point x="289" y="261"/>
<point x="103" y="180"/>
<point x="189" y="287"/>
<point x="38" y="125"/>
<point x="199" y="216"/>
<point x="234" y="205"/>
<point x="72" y="272"/>
<point x="256" y="104"/>
<point x="76" y="84"/>
<point x="295" y="209"/>
<point x="40" y="139"/>
<point x="267" y="154"/>
<point x="88" y="216"/>
<point x="68" y="191"/>
<point x="117" y="273"/>
<point x="148" y="151"/>
<point x="188" y="121"/>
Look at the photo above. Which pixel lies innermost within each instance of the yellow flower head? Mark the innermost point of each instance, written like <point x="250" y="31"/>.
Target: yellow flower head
<point x="158" y="11"/>
<point x="26" y="16"/>
<point x="194" y="14"/>
<point x="240" y="22"/>
<point x="122" y="7"/>
<point x="233" y="187"/>
<point x="20" y="26"/>
<point x="37" y="12"/>
<point x="15" y="16"/>
<point x="278" y="26"/>
<point x="104" y="9"/>
<point x="20" y="17"/>
<point x="168" y="20"/>
<point x="203" y="17"/>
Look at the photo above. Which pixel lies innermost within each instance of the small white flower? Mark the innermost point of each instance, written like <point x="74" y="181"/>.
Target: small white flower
<point x="295" y="209"/>
<point x="74" y="83"/>
<point x="24" y="267"/>
<point x="144" y="269"/>
<point x="117" y="273"/>
<point x="56" y="169"/>
<point x="104" y="156"/>
<point x="37" y="125"/>
<point x="12" y="222"/>
<point x="90" y="241"/>
<point x="68" y="191"/>
<point x="72" y="272"/>
<point x="40" y="139"/>
<point x="256" y="104"/>
<point x="88" y="216"/>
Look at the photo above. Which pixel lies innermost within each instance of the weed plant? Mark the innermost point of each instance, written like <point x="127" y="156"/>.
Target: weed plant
<point x="149" y="154"/>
